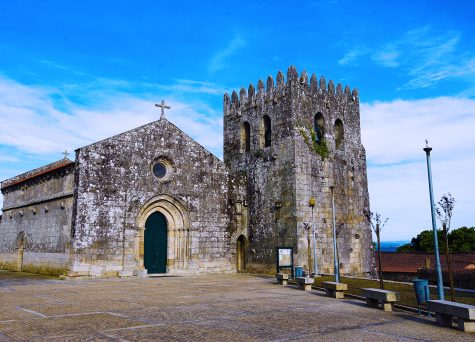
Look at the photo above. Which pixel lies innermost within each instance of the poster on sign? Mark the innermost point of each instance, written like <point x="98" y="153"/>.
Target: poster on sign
<point x="285" y="257"/>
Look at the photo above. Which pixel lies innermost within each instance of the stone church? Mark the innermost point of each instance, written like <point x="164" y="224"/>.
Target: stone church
<point x="153" y="200"/>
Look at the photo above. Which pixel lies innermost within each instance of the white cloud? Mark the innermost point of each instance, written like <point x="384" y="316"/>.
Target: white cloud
<point x="427" y="56"/>
<point x="217" y="61"/>
<point x="31" y="124"/>
<point x="393" y="135"/>
<point x="387" y="56"/>
<point x="352" y="55"/>
<point x="190" y="86"/>
<point x="7" y="158"/>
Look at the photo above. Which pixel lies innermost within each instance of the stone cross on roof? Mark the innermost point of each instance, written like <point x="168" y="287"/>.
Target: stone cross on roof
<point x="66" y="154"/>
<point x="163" y="106"/>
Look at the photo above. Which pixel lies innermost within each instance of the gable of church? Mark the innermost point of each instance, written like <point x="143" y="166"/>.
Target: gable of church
<point x="155" y="166"/>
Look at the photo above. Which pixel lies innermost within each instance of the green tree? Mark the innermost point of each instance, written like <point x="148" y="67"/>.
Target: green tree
<point x="406" y="248"/>
<point x="462" y="239"/>
<point x="424" y="242"/>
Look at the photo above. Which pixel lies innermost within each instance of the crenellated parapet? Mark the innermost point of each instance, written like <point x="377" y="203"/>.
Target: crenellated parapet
<point x="274" y="90"/>
<point x="286" y="139"/>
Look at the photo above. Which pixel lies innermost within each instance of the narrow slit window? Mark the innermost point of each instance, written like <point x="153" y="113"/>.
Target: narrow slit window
<point x="338" y="133"/>
<point x="265" y="138"/>
<point x="246" y="137"/>
<point x="319" y="127"/>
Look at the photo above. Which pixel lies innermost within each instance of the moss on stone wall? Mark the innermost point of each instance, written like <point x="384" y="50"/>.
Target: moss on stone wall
<point x="310" y="137"/>
<point x="10" y="266"/>
<point x="44" y="269"/>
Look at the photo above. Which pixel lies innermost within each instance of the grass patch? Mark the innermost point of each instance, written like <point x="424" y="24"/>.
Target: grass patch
<point x="406" y="291"/>
<point x="44" y="269"/>
<point x="9" y="275"/>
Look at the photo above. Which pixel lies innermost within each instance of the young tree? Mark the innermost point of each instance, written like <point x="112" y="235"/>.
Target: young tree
<point x="444" y="210"/>
<point x="307" y="227"/>
<point x="375" y="220"/>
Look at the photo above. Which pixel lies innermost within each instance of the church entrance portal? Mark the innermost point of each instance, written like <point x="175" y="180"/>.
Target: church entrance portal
<point x="241" y="254"/>
<point x="155" y="244"/>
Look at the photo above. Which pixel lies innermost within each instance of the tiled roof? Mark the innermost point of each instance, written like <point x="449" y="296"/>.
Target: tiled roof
<point x="409" y="262"/>
<point x="36" y="172"/>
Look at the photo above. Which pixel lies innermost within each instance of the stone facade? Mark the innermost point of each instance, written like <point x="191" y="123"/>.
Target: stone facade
<point x="116" y="191"/>
<point x="277" y="178"/>
<point x="89" y="217"/>
<point x="36" y="221"/>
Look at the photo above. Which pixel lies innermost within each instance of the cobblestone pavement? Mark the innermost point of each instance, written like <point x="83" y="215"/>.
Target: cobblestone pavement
<point x="198" y="308"/>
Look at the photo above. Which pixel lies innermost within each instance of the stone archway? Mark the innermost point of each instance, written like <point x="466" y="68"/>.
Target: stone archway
<point x="241" y="254"/>
<point x="178" y="237"/>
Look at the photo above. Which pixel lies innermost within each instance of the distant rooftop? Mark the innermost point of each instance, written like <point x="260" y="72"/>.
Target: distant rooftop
<point x="36" y="172"/>
<point x="410" y="262"/>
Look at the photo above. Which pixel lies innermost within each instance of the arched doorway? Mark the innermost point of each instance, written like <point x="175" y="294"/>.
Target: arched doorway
<point x="155" y="243"/>
<point x="241" y="254"/>
<point x="178" y="232"/>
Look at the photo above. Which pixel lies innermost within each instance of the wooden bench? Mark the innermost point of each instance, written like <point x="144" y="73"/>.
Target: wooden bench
<point x="445" y="311"/>
<point x="304" y="283"/>
<point x="381" y="299"/>
<point x="334" y="289"/>
<point x="282" y="278"/>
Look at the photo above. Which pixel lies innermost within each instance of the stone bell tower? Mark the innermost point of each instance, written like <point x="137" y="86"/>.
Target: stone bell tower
<point x="284" y="144"/>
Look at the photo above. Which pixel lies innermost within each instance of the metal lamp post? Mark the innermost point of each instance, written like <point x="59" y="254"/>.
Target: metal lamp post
<point x="335" y="253"/>
<point x="312" y="203"/>
<point x="440" y="284"/>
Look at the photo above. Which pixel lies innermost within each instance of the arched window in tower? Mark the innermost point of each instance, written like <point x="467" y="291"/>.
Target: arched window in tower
<point x="245" y="137"/>
<point x="265" y="132"/>
<point x="319" y="127"/>
<point x="338" y="133"/>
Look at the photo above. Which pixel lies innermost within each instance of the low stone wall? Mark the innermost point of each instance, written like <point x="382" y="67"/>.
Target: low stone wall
<point x="42" y="263"/>
<point x="9" y="261"/>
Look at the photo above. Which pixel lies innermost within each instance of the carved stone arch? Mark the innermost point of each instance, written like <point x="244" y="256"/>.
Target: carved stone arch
<point x="21" y="240"/>
<point x="178" y="235"/>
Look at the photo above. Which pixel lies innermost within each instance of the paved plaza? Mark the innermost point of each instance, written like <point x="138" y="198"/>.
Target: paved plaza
<point x="196" y="308"/>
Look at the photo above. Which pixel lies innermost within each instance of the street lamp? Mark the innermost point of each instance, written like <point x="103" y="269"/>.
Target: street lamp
<point x="312" y="203"/>
<point x="440" y="284"/>
<point x="335" y="253"/>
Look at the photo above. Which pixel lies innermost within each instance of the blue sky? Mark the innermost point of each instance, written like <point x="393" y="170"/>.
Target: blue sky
<point x="73" y="72"/>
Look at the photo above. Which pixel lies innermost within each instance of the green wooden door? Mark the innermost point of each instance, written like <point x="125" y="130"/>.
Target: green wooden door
<point x="155" y="244"/>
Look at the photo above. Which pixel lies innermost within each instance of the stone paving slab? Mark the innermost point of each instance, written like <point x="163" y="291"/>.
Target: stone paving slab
<point x="12" y="313"/>
<point x="199" y="308"/>
<point x="62" y="326"/>
<point x="64" y="308"/>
